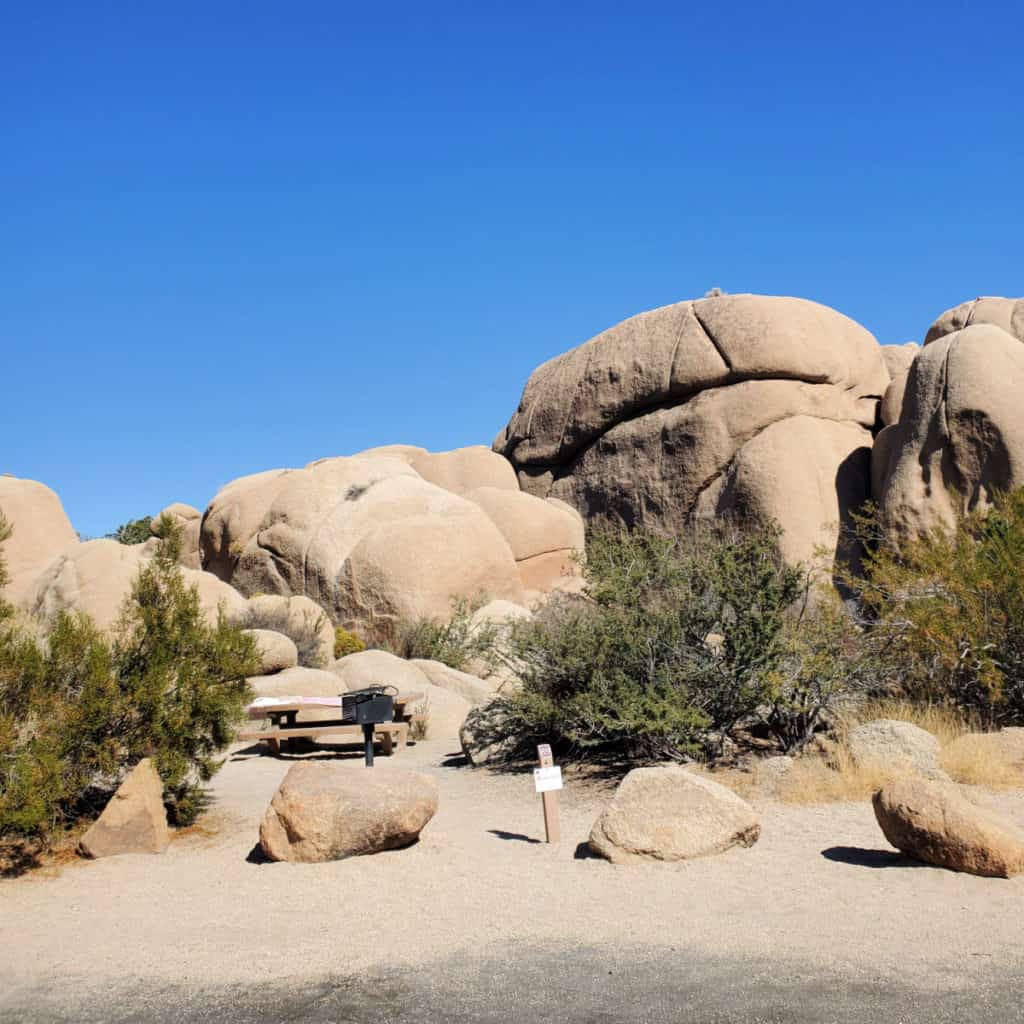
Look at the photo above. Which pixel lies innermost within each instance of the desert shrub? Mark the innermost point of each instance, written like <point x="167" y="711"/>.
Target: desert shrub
<point x="677" y="641"/>
<point x="946" y="613"/>
<point x="183" y="680"/>
<point x="456" y="642"/>
<point x="80" y="709"/>
<point x="135" y="531"/>
<point x="305" y="631"/>
<point x="346" y="643"/>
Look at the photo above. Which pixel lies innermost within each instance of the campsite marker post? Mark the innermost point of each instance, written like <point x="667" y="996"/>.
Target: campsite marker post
<point x="547" y="780"/>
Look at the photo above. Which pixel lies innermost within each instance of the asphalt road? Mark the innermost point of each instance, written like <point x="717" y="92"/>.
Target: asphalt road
<point x="574" y="986"/>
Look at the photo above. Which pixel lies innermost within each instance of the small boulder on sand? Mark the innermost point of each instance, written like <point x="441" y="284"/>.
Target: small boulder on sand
<point x="134" y="821"/>
<point x="277" y="651"/>
<point x="329" y="811"/>
<point x="484" y="735"/>
<point x="896" y="748"/>
<point x="670" y="813"/>
<point x="932" y="822"/>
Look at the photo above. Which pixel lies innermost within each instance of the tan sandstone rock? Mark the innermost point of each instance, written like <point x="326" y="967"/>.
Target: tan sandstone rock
<point x="1007" y="314"/>
<point x="297" y="617"/>
<point x="41" y="531"/>
<point x="670" y="814"/>
<point x="651" y="421"/>
<point x="364" y="536"/>
<point x="470" y="687"/>
<point x="277" y="652"/>
<point x="378" y="668"/>
<point x="328" y="811"/>
<point x="960" y="435"/>
<point x="895" y="748"/>
<point x="546" y="537"/>
<point x="134" y="821"/>
<point x="188" y="521"/>
<point x="96" y="577"/>
<point x="932" y="822"/>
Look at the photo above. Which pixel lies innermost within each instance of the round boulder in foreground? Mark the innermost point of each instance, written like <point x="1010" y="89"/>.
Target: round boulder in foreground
<point x="329" y="811"/>
<point x="932" y="822"/>
<point x="670" y="813"/>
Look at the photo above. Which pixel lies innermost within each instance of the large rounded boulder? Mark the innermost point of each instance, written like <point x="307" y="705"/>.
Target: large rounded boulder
<point x="41" y="530"/>
<point x="754" y="405"/>
<point x="96" y="577"/>
<point x="366" y="537"/>
<point x="959" y="437"/>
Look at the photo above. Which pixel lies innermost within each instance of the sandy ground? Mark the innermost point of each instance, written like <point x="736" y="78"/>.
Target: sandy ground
<point x="819" y="904"/>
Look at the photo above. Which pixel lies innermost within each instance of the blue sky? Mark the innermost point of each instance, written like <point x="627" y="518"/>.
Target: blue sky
<point x="237" y="236"/>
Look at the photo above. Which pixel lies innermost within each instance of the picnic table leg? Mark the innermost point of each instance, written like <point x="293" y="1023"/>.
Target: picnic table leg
<point x="387" y="743"/>
<point x="275" y="746"/>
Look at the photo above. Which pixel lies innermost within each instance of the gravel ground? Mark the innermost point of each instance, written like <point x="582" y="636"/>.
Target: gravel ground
<point x="480" y="921"/>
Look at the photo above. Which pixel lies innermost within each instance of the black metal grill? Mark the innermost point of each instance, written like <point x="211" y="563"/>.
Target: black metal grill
<point x="369" y="707"/>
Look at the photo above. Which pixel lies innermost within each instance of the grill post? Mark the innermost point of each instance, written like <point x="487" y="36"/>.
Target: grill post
<point x="368" y="740"/>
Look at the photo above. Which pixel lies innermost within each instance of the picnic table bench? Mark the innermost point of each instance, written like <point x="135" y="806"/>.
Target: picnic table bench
<point x="285" y="726"/>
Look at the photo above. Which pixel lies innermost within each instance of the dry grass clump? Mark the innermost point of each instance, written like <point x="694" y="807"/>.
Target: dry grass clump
<point x="968" y="755"/>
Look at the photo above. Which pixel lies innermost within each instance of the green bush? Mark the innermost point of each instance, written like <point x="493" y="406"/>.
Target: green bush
<point x="80" y="709"/>
<point x="346" y="643"/>
<point x="946" y="612"/>
<point x="455" y="643"/>
<point x="676" y="642"/>
<point x="305" y="631"/>
<point x="135" y="531"/>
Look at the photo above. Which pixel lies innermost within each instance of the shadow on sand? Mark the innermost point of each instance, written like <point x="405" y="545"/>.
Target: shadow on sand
<point x="860" y="857"/>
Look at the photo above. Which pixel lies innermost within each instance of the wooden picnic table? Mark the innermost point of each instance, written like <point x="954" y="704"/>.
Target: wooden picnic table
<point x="285" y="725"/>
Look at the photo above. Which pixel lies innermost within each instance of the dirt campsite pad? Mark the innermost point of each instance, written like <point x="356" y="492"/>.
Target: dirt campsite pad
<point x="819" y="913"/>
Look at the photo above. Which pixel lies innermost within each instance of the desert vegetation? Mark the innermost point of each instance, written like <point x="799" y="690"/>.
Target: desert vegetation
<point x="79" y="707"/>
<point x="684" y="647"/>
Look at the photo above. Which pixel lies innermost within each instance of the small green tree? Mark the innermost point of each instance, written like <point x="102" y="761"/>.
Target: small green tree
<point x="135" y="531"/>
<point x="185" y="680"/>
<point x="454" y="643"/>
<point x="946" y="612"/>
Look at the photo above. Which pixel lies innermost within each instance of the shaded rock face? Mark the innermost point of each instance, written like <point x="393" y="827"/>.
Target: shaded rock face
<point x="741" y="403"/>
<point x="896" y="748"/>
<point x="670" y="814"/>
<point x="960" y="435"/>
<point x="365" y="537"/>
<point x="41" y="531"/>
<point x="933" y="823"/>
<point x="134" y="821"/>
<point x="328" y="811"/>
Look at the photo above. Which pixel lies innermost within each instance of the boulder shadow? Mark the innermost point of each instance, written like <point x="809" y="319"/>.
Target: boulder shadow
<point x="860" y="857"/>
<point x="257" y="856"/>
<point x="584" y="852"/>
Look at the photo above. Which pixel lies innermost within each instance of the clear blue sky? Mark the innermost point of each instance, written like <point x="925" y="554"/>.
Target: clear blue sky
<point x="237" y="236"/>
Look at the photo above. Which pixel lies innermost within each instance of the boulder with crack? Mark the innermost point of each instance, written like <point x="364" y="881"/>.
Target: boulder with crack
<point x="959" y="436"/>
<point x="755" y="405"/>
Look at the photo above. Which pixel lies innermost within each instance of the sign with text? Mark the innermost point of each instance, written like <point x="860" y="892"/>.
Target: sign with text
<point x="547" y="779"/>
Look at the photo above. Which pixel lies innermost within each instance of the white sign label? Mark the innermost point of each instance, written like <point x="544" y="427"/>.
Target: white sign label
<point x="547" y="779"/>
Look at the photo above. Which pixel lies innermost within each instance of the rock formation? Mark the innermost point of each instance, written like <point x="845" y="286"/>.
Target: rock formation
<point x="134" y="821"/>
<point x="329" y="811"/>
<point x="671" y="813"/>
<point x="959" y="436"/>
<point x="41" y="531"/>
<point x="371" y="539"/>
<point x="932" y="822"/>
<point x="740" y="403"/>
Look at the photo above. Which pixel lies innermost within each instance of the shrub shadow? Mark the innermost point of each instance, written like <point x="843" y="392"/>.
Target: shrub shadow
<point x="516" y="836"/>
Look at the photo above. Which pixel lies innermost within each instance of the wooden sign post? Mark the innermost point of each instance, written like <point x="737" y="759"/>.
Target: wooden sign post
<point x="547" y="780"/>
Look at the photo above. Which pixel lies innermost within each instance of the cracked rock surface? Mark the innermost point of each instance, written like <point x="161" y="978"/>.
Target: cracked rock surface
<point x="756" y="405"/>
